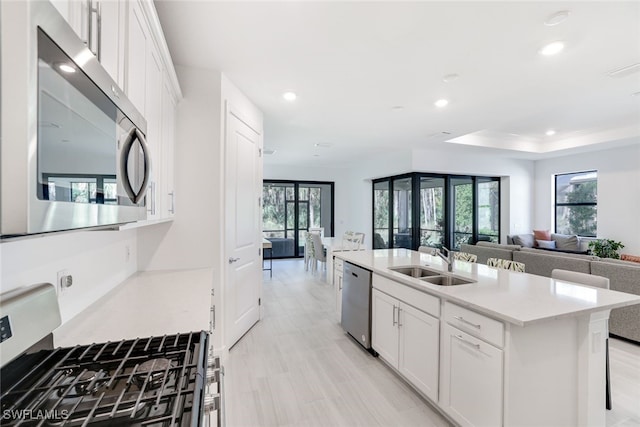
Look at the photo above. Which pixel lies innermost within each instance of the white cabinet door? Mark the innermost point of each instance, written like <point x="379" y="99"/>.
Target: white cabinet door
<point x="471" y="387"/>
<point x="168" y="152"/>
<point x="384" y="327"/>
<point x="153" y="102"/>
<point x="419" y="349"/>
<point x="136" y="63"/>
<point x="111" y="38"/>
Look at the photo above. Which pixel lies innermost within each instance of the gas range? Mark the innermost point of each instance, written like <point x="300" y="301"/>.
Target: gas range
<point x="155" y="381"/>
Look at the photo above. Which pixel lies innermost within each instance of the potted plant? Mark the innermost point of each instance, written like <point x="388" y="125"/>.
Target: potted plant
<point x="606" y="248"/>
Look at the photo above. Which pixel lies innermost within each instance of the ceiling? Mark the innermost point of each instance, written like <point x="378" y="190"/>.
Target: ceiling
<point x="367" y="74"/>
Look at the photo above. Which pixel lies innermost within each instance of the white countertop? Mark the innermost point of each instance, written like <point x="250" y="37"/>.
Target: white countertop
<point x="517" y="298"/>
<point x="147" y="304"/>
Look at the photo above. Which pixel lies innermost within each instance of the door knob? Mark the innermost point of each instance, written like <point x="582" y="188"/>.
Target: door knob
<point x="232" y="260"/>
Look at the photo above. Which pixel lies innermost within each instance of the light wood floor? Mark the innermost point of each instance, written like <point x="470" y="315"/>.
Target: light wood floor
<point x="296" y="367"/>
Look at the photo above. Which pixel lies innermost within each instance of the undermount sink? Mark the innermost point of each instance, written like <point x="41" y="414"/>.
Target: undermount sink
<point x="416" y="271"/>
<point x="446" y="280"/>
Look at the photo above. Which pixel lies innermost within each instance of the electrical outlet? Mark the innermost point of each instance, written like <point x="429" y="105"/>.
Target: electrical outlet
<point x="127" y="253"/>
<point x="65" y="280"/>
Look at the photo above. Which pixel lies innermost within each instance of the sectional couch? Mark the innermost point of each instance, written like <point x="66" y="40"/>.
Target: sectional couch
<point x="624" y="276"/>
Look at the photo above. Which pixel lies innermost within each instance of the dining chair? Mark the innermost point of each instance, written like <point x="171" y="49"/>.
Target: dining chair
<point x="464" y="256"/>
<point x="506" y="264"/>
<point x="319" y="230"/>
<point x="596" y="282"/>
<point x="318" y="252"/>
<point x="308" y="250"/>
<point x="428" y="250"/>
<point x="352" y="241"/>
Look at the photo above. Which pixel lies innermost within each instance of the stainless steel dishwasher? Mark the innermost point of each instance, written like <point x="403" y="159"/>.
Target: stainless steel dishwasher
<point x="356" y="304"/>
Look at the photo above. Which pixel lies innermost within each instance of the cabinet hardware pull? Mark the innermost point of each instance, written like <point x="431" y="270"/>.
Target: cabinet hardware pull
<point x="475" y="325"/>
<point x="394" y="315"/>
<point x="469" y="343"/>
<point x="399" y="311"/>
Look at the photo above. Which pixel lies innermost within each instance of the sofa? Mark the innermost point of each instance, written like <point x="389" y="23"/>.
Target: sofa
<point x="281" y="247"/>
<point x="563" y="242"/>
<point x="624" y="276"/>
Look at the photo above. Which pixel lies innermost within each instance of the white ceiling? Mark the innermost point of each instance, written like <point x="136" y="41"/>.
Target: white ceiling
<point x="351" y="62"/>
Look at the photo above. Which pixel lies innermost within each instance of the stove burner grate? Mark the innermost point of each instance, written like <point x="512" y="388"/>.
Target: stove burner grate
<point x="146" y="381"/>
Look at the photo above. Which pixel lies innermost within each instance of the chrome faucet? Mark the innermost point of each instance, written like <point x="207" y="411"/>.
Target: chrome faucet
<point x="446" y="258"/>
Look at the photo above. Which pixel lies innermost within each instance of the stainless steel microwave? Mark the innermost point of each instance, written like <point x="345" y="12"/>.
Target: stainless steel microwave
<point x="72" y="146"/>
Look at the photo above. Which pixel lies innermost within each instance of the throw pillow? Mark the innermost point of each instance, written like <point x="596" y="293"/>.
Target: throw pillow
<point x="627" y="257"/>
<point x="546" y="244"/>
<point x="565" y="242"/>
<point x="542" y="235"/>
<point x="524" y="240"/>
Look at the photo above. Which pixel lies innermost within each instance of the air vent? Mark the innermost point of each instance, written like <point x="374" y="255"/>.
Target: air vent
<point x="268" y="151"/>
<point x="625" y="71"/>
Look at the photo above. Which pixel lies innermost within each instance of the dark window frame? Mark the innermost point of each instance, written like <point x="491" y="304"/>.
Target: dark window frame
<point x="448" y="202"/>
<point x="557" y="204"/>
<point x="296" y="184"/>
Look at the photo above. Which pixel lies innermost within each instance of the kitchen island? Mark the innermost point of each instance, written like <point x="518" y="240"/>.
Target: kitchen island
<point x="507" y="349"/>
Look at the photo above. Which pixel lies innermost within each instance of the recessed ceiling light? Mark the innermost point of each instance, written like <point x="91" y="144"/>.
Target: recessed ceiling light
<point x="289" y="96"/>
<point x="441" y="103"/>
<point x="450" y="77"/>
<point x="316" y="155"/>
<point x="552" y="48"/>
<point x="66" y="68"/>
<point x="556" y="18"/>
<point x="550" y="132"/>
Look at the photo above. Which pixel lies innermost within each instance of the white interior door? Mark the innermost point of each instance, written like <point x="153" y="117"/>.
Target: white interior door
<point x="243" y="244"/>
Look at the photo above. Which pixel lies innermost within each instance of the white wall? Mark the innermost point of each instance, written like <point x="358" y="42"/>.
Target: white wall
<point x="97" y="260"/>
<point x="618" y="191"/>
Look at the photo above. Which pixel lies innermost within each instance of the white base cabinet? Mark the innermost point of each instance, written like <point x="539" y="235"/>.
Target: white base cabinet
<point x="407" y="339"/>
<point x="472" y="374"/>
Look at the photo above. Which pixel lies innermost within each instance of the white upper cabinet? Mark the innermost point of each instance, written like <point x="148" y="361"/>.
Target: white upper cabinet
<point x="110" y="34"/>
<point x="100" y="25"/>
<point x="168" y="150"/>
<point x="137" y="56"/>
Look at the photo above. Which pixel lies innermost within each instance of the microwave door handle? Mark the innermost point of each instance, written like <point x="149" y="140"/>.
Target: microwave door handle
<point x="124" y="165"/>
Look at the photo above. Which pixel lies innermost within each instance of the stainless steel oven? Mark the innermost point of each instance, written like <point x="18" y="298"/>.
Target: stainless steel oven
<point x="168" y="380"/>
<point x="73" y="151"/>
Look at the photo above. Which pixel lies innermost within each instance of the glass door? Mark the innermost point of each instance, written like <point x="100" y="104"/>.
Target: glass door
<point x="432" y="212"/>
<point x="402" y="213"/>
<point x="305" y="205"/>
<point x="381" y="218"/>
<point x="488" y="209"/>
<point x="462" y="195"/>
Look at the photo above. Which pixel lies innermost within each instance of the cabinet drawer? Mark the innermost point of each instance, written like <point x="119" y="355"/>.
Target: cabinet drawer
<point x="338" y="264"/>
<point x="420" y="300"/>
<point x="475" y="324"/>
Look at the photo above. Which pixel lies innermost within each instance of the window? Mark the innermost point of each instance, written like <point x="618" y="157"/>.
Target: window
<point x="576" y="203"/>
<point x="291" y="208"/>
<point x="426" y="209"/>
